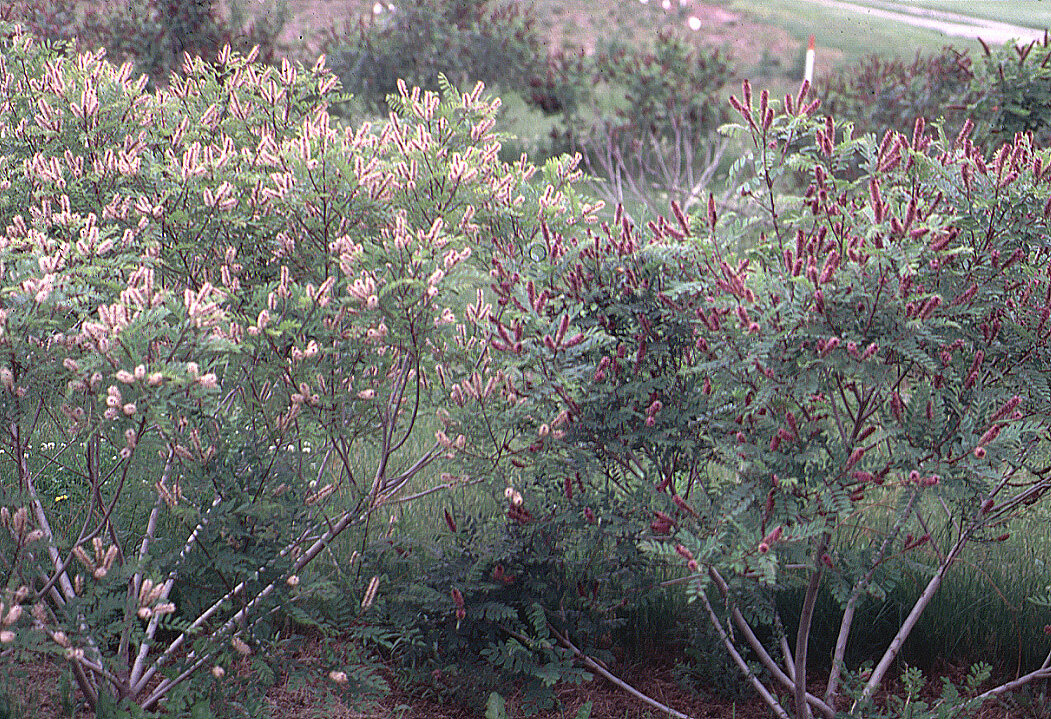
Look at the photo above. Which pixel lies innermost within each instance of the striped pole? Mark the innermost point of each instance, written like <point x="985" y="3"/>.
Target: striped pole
<point x="808" y="73"/>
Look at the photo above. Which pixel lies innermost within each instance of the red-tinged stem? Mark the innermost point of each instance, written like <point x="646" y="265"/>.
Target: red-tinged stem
<point x="806" y="619"/>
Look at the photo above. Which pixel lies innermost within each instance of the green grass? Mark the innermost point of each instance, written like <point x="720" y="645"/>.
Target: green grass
<point x="851" y="35"/>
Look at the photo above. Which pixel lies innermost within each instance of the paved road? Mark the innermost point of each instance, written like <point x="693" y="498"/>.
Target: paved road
<point x="948" y="23"/>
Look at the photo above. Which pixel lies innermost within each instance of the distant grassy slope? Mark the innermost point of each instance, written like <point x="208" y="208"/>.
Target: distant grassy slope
<point x="768" y="39"/>
<point x="1030" y="13"/>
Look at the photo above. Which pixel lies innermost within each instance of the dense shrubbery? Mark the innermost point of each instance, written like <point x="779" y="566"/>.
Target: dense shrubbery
<point x="223" y="320"/>
<point x="643" y="118"/>
<point x="153" y="34"/>
<point x="235" y="333"/>
<point x="1004" y="92"/>
<point x="883" y="343"/>
<point x="491" y="41"/>
<point x="879" y="93"/>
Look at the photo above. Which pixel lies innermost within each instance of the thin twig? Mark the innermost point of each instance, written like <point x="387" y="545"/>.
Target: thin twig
<point x="760" y="688"/>
<point x="608" y="676"/>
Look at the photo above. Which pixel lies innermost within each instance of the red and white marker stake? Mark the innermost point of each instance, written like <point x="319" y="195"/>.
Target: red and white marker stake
<point x="808" y="73"/>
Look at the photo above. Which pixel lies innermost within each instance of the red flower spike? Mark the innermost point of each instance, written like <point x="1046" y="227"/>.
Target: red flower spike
<point x="1008" y="407"/>
<point x="917" y="133"/>
<point x="684" y="505"/>
<point x="449" y="522"/>
<point x="684" y="552"/>
<point x="940" y="242"/>
<point x="773" y="536"/>
<point x="562" y="327"/>
<point x="680" y="218"/>
<point x="855" y="457"/>
<point x="990" y="434"/>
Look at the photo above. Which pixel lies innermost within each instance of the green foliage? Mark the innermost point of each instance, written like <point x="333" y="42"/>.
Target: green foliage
<point x="495" y="707"/>
<point x="492" y="41"/>
<point x="953" y="702"/>
<point x="487" y="607"/>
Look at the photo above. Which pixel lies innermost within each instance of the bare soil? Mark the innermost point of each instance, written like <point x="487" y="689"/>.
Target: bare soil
<point x="304" y="692"/>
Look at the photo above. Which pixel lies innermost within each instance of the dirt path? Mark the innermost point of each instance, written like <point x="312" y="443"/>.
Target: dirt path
<point x="948" y="23"/>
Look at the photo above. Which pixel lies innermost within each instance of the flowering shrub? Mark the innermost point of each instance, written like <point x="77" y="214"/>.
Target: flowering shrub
<point x="223" y="317"/>
<point x="849" y="362"/>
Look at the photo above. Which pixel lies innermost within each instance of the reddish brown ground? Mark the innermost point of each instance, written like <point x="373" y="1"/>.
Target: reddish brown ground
<point x="308" y="694"/>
